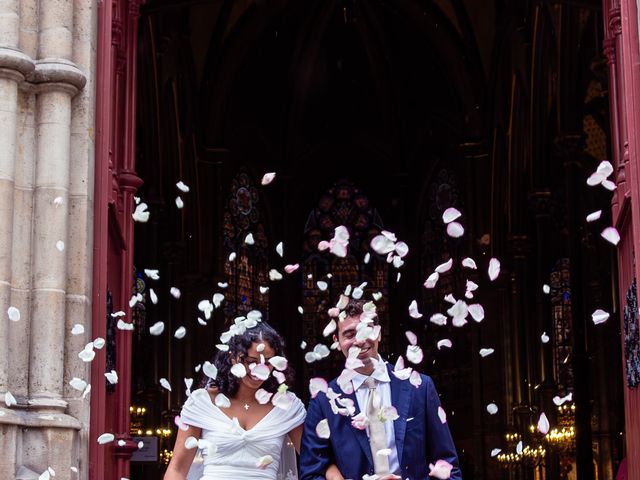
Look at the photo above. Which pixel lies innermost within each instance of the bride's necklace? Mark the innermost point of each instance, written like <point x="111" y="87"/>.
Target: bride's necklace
<point x="246" y="405"/>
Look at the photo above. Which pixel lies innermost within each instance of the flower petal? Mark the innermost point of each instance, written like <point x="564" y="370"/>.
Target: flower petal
<point x="262" y="396"/>
<point x="165" y="384"/>
<point x="599" y="316"/>
<point x="106" y="438"/>
<point x="543" y="424"/>
<point x="611" y="235"/>
<point x="492" y="408"/>
<point x="210" y="370"/>
<point x="322" y="429"/>
<point x="455" y="230"/>
<point x="494" y="269"/>
<point x="592" y="217"/>
<point x="413" y="310"/>
<point x="469" y="263"/>
<point x="157" y="328"/>
<point x="412" y="337"/>
<point x="180" y="333"/>
<point x="239" y="370"/>
<point x="14" y="314"/>
<point x="484" y="352"/>
<point x="442" y="414"/>
<point x="445" y="342"/>
<point x="267" y="178"/>
<point x="450" y="214"/>
<point x="438" y="319"/>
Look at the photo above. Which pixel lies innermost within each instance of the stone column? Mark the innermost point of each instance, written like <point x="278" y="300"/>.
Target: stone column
<point x="13" y="68"/>
<point x="57" y="80"/>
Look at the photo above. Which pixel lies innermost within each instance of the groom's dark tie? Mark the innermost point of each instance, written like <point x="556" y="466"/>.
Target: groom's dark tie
<point x="377" y="436"/>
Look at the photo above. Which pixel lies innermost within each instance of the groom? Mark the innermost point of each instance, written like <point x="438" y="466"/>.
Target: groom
<point x="400" y="449"/>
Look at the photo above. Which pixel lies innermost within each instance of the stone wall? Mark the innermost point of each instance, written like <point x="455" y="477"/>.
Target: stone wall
<point x="47" y="109"/>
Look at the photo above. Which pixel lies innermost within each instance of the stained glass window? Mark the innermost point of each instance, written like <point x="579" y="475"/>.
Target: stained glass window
<point x="560" y="283"/>
<point x="246" y="265"/>
<point x="342" y="204"/>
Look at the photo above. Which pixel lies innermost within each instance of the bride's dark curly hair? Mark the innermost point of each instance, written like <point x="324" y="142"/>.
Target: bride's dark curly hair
<point x="226" y="382"/>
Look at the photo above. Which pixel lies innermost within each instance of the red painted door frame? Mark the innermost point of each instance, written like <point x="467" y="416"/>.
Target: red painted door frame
<point x="623" y="55"/>
<point x="115" y="184"/>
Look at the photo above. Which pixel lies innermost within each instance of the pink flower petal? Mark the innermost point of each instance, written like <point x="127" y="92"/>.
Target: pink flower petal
<point x="442" y="414"/>
<point x="469" y="263"/>
<point x="441" y="470"/>
<point x="445" y="267"/>
<point x="415" y="379"/>
<point x="413" y="339"/>
<point x="599" y="316"/>
<point x="402" y="249"/>
<point x="382" y="245"/>
<point x="261" y="371"/>
<point x="477" y="312"/>
<point x="432" y="280"/>
<point x="611" y="235"/>
<point x="445" y="342"/>
<point x="316" y="385"/>
<point x="450" y="214"/>
<point x="267" y="178"/>
<point x="414" y="354"/>
<point x="455" y="230"/>
<point x="291" y="268"/>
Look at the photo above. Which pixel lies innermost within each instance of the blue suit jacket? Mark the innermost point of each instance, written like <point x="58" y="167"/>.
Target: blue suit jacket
<point x="421" y="438"/>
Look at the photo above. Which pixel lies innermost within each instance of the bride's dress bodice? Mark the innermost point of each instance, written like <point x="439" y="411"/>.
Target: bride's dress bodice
<point x="238" y="450"/>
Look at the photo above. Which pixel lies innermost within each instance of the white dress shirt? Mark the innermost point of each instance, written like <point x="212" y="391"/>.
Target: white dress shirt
<point x="383" y="388"/>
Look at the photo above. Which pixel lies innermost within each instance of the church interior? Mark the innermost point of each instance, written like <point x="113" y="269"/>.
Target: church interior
<point x="378" y="116"/>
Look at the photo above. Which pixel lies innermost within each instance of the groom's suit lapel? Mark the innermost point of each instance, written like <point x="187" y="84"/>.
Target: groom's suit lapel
<point x="400" y="398"/>
<point x="361" y="435"/>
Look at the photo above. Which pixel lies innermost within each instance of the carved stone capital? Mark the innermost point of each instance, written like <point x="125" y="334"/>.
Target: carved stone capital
<point x="15" y="64"/>
<point x="615" y="20"/>
<point x="57" y="71"/>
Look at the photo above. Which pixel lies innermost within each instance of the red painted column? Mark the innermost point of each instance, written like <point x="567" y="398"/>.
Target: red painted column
<point x="623" y="54"/>
<point x="102" y="190"/>
<point x="115" y="186"/>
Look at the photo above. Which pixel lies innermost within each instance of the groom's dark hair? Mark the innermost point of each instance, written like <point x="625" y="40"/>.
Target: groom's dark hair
<point x="355" y="308"/>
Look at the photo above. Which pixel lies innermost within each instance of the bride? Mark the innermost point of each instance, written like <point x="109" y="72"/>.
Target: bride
<point x="246" y="422"/>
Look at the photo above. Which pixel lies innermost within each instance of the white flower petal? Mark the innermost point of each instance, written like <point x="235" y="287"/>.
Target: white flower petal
<point x="274" y="275"/>
<point x="249" y="240"/>
<point x="262" y="396"/>
<point x="175" y="292"/>
<point x="217" y="299"/>
<point x="78" y="383"/>
<point x="495" y="451"/>
<point x="232" y="256"/>
<point x="494" y="269"/>
<point x="611" y="235"/>
<point x="413" y="310"/>
<point x="157" y="328"/>
<point x="180" y="333"/>
<point x="382" y="245"/>
<point x="210" y="370"/>
<point x="106" y="438"/>
<point x="486" y="352"/>
<point x="153" y="296"/>
<point x="330" y="328"/>
<point x="469" y="263"/>
<point x="455" y="230"/>
<point x="280" y="249"/>
<point x="153" y="274"/>
<point x="599" y="316"/>
<point x="182" y="187"/>
<point x="261" y="371"/>
<point x="450" y="214"/>
<point x="592" y="217"/>
<point x="60" y="245"/>
<point x="544" y="337"/>
<point x="179" y="202"/>
<point x="99" y="342"/>
<point x="112" y="377"/>
<point x="609" y="185"/>
<point x="77" y="329"/>
<point x="239" y="370"/>
<point x="477" y="312"/>
<point x="14" y="314"/>
<point x="543" y="424"/>
<point x="222" y="401"/>
<point x="445" y="267"/>
<point x="546" y="289"/>
<point x="322" y="429"/>
<point x="605" y="168"/>
<point x="267" y="178"/>
<point x="438" y="319"/>
<point x="445" y="342"/>
<point x="190" y="443"/>
<point x="322" y="285"/>
<point x="412" y="337"/>
<point x="141" y="214"/>
<point x="264" y="461"/>
<point x="492" y="408"/>
<point x="165" y="384"/>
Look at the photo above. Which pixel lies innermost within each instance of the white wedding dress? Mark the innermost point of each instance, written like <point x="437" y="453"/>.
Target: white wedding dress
<point x="237" y="450"/>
